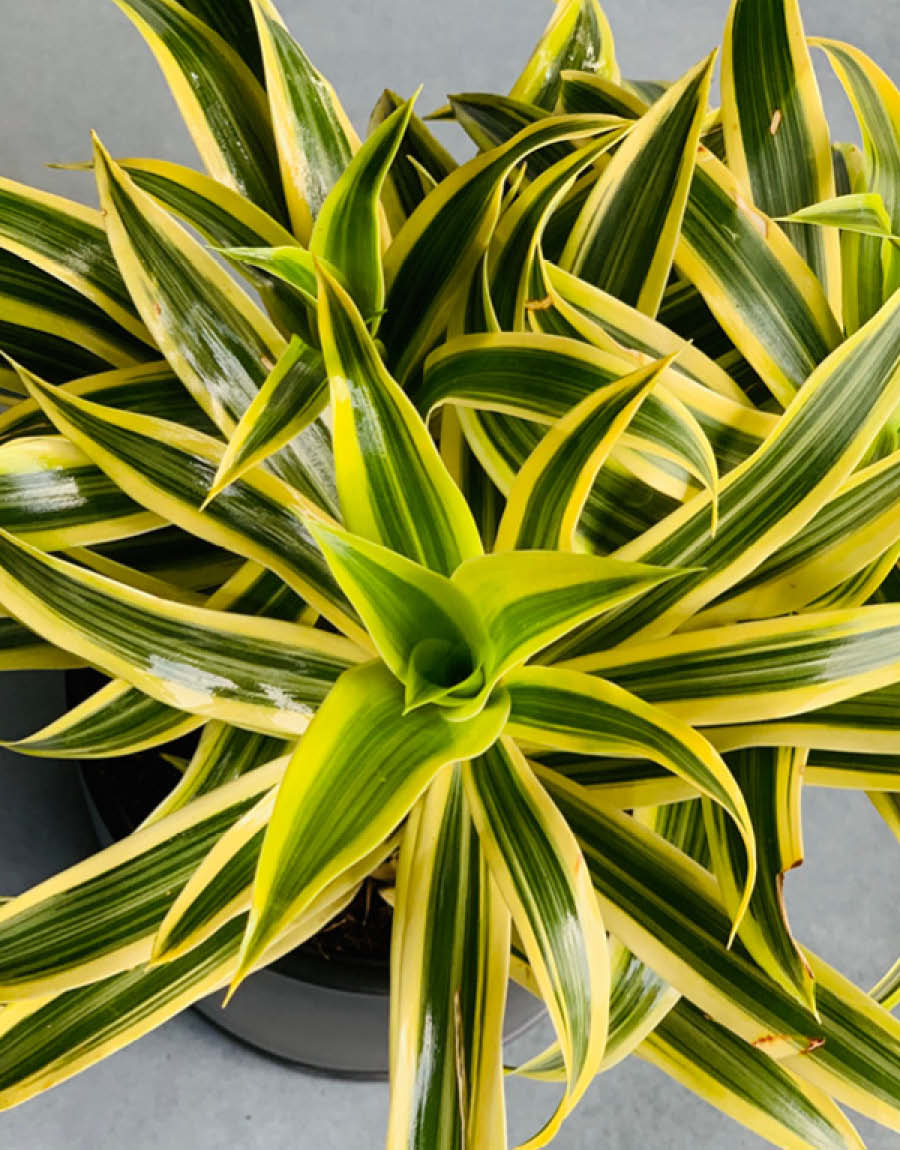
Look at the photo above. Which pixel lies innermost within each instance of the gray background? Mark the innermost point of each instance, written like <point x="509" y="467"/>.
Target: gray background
<point x="67" y="66"/>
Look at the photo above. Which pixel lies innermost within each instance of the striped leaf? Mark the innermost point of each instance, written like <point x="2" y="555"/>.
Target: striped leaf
<point x="315" y="140"/>
<point x="821" y="438"/>
<point x="854" y="529"/>
<point x="548" y="495"/>
<point x="451" y="956"/>
<point x="427" y="631"/>
<point x="102" y="913"/>
<point x="570" y="711"/>
<point x="292" y="396"/>
<point x="520" y="232"/>
<point x="876" y="102"/>
<point x="48" y="1039"/>
<point x="759" y="671"/>
<point x="665" y="908"/>
<point x="776" y="133"/>
<point x="264" y="674"/>
<point x="59" y="316"/>
<point x="587" y="308"/>
<point x="745" y="1084"/>
<point x="537" y="865"/>
<point x="222" y="103"/>
<point x="419" y="152"/>
<point x="234" y="23"/>
<point x="218" y="342"/>
<point x="22" y="650"/>
<point x="625" y="237"/>
<point x="356" y="774"/>
<point x="487" y="372"/>
<point x="348" y="231"/>
<point x="219" y="888"/>
<point x="862" y="212"/>
<point x="393" y="486"/>
<point x="578" y="36"/>
<point x="771" y="782"/>
<point x="169" y="469"/>
<point x="52" y="496"/>
<point x="445" y="237"/>
<point x="754" y="281"/>
<point x="527" y="599"/>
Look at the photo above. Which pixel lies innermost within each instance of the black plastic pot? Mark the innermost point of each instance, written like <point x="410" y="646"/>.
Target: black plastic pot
<point x="328" y="1015"/>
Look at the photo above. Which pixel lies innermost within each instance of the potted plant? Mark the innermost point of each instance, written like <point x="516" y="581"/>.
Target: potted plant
<point x="511" y="560"/>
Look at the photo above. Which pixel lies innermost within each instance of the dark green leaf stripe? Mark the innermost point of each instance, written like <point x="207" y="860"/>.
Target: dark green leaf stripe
<point x="51" y="356"/>
<point x="818" y="442"/>
<point x="234" y="23"/>
<point x="776" y="133"/>
<point x="490" y="120"/>
<point x="665" y="908"/>
<point x="222" y="102"/>
<point x="265" y="675"/>
<point x="172" y="555"/>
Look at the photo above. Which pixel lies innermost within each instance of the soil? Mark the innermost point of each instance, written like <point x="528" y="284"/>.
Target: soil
<point x="125" y="790"/>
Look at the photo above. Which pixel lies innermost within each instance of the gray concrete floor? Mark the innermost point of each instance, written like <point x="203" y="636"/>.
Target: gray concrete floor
<point x="69" y="67"/>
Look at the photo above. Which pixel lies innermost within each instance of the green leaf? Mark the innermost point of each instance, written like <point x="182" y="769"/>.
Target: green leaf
<point x="625" y="237"/>
<point x="425" y="629"/>
<point x="264" y="674"/>
<point x="315" y="140"/>
<point x="535" y="861"/>
<point x="578" y="36"/>
<point x="443" y="240"/>
<point x="862" y="212"/>
<point x="355" y="775"/>
<point x="451" y="956"/>
<point x="169" y="469"/>
<point x="527" y="599"/>
<point x="216" y="339"/>
<point x="393" y="486"/>
<point x="291" y="398"/>
<point x="819" y="441"/>
<point x="52" y="496"/>
<point x="571" y="711"/>
<point x="348" y="231"/>
<point x="745" y="1083"/>
<point x="101" y="913"/>
<point x="776" y="133"/>
<point x="221" y="101"/>
<point x="548" y="495"/>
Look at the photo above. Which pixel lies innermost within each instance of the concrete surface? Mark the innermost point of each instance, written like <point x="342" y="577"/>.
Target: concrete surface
<point x="68" y="67"/>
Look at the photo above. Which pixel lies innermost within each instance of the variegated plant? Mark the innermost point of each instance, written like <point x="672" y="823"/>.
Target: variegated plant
<point x="538" y="533"/>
